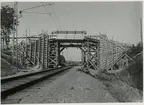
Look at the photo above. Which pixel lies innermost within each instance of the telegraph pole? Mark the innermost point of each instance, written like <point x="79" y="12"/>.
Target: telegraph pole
<point x="112" y="51"/>
<point x="15" y="32"/>
<point x="26" y="34"/>
<point x="141" y="29"/>
<point x="13" y="38"/>
<point x="29" y="32"/>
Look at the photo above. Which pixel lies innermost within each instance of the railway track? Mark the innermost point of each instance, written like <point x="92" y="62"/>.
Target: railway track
<point x="14" y="84"/>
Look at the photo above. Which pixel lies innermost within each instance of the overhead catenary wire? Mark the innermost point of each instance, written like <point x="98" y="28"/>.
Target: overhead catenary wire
<point x="36" y="12"/>
<point x="56" y="17"/>
<point x="42" y="5"/>
<point x="48" y="12"/>
<point x="35" y="7"/>
<point x="42" y="14"/>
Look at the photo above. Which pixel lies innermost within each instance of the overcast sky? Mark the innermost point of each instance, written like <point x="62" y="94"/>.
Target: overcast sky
<point x="120" y="20"/>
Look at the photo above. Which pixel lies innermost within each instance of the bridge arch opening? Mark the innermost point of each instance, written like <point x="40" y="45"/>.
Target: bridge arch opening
<point x="72" y="54"/>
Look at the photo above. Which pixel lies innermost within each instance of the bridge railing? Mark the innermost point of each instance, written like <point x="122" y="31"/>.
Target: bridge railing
<point x="52" y="36"/>
<point x="92" y="37"/>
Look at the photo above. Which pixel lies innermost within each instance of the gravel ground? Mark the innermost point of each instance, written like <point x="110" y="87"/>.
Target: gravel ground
<point x="17" y="97"/>
<point x="72" y="87"/>
<point x="6" y="73"/>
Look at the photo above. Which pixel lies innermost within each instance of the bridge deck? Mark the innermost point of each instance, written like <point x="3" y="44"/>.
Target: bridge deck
<point x="75" y="40"/>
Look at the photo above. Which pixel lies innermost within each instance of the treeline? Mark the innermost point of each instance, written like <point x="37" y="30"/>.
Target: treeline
<point x="135" y="50"/>
<point x="136" y="69"/>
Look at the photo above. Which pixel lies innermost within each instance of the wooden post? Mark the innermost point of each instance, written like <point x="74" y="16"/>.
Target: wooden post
<point x="30" y="51"/>
<point x="47" y="51"/>
<point x="88" y="56"/>
<point x="35" y="51"/>
<point x="43" y="51"/>
<point x="39" y="50"/>
<point x="58" y="51"/>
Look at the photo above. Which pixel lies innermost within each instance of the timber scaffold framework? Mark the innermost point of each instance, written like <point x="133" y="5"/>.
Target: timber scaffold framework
<point x="98" y="52"/>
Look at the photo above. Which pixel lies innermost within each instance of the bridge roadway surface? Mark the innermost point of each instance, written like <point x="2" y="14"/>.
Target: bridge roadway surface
<point x="72" y="86"/>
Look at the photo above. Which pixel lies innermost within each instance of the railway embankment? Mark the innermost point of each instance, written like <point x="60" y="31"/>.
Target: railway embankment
<point x="10" y="65"/>
<point x="126" y="85"/>
<point x="13" y="65"/>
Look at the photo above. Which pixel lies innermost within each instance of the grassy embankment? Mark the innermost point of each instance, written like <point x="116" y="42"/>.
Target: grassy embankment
<point x="127" y="85"/>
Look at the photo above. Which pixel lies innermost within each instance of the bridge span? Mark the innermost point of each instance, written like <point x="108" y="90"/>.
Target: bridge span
<point x="98" y="52"/>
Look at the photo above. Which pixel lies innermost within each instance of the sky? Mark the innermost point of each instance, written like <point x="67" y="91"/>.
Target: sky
<point x="118" y="20"/>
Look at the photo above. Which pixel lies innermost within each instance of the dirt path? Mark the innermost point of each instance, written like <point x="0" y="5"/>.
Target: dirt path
<point x="74" y="86"/>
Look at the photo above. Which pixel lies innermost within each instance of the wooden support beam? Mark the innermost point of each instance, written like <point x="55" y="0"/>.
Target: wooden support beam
<point x="62" y="49"/>
<point x="35" y="51"/>
<point x="69" y="32"/>
<point x="39" y="50"/>
<point x="30" y="51"/>
<point x="70" y="45"/>
<point x="58" y="53"/>
<point x="43" y="47"/>
<point x="53" y="53"/>
<point x="47" y="39"/>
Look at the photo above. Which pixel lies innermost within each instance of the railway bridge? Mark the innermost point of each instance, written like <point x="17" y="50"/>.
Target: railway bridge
<point x="98" y="52"/>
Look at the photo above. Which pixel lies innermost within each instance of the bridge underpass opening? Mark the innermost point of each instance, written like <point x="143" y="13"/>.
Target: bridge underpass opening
<point x="72" y="54"/>
<point x="87" y="53"/>
<point x="69" y="43"/>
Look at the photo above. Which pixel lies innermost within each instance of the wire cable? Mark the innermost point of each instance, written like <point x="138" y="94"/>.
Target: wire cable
<point x="48" y="13"/>
<point x="42" y="5"/>
<point x="58" y="21"/>
<point x="36" y="13"/>
<point x="35" y="7"/>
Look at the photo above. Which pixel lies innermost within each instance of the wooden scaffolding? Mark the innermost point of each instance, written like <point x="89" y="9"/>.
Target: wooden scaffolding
<point x="100" y="53"/>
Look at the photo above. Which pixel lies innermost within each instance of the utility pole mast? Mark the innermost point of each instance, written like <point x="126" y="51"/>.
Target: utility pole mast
<point x="13" y="39"/>
<point x="26" y="34"/>
<point x="16" y="4"/>
<point x="15" y="33"/>
<point x="141" y="30"/>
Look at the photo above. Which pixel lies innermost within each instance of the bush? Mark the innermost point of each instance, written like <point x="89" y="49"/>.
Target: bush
<point x="136" y="71"/>
<point x="62" y="60"/>
<point x="135" y="50"/>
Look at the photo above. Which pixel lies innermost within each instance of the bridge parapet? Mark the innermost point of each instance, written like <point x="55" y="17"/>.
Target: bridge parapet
<point x="69" y="32"/>
<point x="49" y="36"/>
<point x="52" y="36"/>
<point x="92" y="37"/>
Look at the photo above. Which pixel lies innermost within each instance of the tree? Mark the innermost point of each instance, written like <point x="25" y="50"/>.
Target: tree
<point x="62" y="60"/>
<point x="7" y="21"/>
<point x="136" y="49"/>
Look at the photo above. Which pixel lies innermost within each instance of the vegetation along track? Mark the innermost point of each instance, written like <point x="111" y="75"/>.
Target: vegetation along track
<point x="13" y="84"/>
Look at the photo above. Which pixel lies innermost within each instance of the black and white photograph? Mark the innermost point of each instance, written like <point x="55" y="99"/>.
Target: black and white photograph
<point x="71" y="52"/>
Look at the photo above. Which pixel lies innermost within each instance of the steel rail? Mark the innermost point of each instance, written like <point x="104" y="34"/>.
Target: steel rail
<point x="14" y="84"/>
